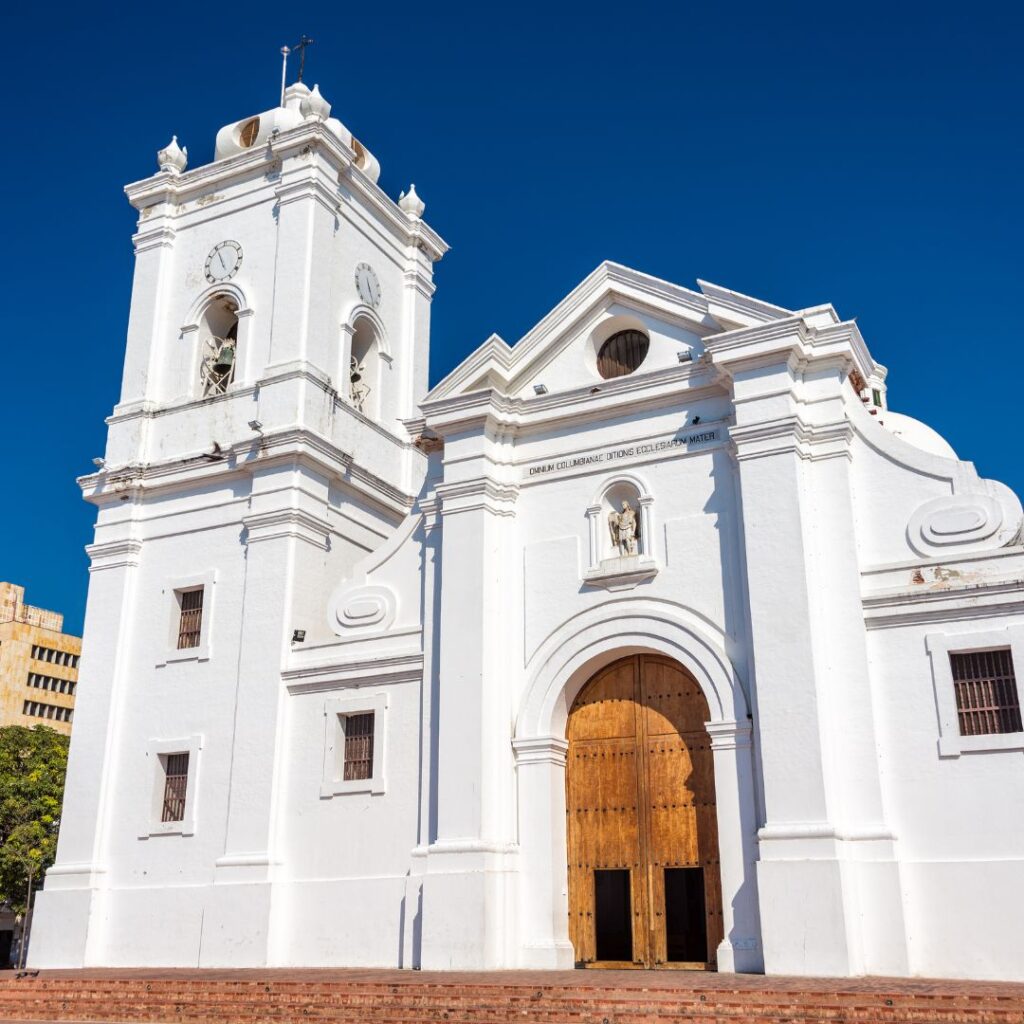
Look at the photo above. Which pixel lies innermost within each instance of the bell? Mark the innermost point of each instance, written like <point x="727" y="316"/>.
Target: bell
<point x="225" y="360"/>
<point x="355" y="376"/>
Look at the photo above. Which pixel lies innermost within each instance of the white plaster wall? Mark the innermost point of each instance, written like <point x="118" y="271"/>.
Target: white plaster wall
<point x="961" y="846"/>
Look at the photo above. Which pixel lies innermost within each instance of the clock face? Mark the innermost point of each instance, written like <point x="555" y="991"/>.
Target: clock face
<point x="223" y="262"/>
<point x="367" y="285"/>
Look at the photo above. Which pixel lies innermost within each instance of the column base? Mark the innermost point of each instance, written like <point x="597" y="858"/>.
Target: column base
<point x="558" y="956"/>
<point x="468" y="894"/>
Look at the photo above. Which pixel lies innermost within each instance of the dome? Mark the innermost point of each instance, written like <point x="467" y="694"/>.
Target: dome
<point x="919" y="434"/>
<point x="300" y="104"/>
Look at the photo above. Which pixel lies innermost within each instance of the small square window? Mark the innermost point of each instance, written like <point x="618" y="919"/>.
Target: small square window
<point x="986" y="692"/>
<point x="975" y="687"/>
<point x="354" y="744"/>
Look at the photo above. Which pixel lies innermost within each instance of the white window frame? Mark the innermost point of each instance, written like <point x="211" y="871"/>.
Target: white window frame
<point x="173" y="591"/>
<point x="156" y="751"/>
<point x="336" y="710"/>
<point x="940" y="646"/>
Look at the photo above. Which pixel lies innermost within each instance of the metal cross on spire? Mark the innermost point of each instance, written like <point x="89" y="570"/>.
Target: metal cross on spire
<point x="300" y="48"/>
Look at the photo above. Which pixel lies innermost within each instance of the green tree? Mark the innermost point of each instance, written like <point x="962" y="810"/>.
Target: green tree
<point x="32" y="767"/>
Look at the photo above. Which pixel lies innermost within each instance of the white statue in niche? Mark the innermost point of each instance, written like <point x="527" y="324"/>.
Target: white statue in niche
<point x="625" y="530"/>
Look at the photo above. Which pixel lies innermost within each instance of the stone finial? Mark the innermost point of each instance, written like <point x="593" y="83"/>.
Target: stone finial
<point x="411" y="203"/>
<point x="315" y="106"/>
<point x="172" y="158"/>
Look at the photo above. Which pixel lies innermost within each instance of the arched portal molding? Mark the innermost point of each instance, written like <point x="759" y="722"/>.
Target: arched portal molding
<point x="226" y="289"/>
<point x="585" y="643"/>
<point x="360" y="311"/>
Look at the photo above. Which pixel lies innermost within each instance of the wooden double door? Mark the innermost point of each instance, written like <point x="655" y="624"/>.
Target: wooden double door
<point x="642" y="830"/>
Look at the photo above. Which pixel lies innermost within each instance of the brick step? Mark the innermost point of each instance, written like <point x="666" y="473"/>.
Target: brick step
<point x="213" y="997"/>
<point x="276" y="1004"/>
<point x="290" y="993"/>
<point x="479" y="1012"/>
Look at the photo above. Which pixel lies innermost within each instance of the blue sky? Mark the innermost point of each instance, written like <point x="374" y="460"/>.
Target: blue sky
<point x="868" y="156"/>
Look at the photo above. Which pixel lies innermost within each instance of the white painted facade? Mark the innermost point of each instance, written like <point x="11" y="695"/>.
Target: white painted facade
<point x="808" y="556"/>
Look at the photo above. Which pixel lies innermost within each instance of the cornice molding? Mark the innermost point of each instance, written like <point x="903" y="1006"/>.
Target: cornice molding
<point x="291" y="523"/>
<point x="395" y="667"/>
<point x="923" y="605"/>
<point x="480" y="494"/>
<point x="139" y="480"/>
<point x="114" y="554"/>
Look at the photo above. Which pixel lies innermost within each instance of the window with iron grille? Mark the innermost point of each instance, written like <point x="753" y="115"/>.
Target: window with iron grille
<point x="986" y="692"/>
<point x="175" y="786"/>
<point x="358" y="746"/>
<point x="190" y="625"/>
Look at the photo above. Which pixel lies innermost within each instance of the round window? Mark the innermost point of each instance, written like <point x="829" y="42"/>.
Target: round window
<point x="622" y="353"/>
<point x="251" y="128"/>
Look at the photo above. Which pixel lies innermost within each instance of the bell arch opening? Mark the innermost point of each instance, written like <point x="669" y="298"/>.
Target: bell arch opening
<point x="218" y="346"/>
<point x="364" y="374"/>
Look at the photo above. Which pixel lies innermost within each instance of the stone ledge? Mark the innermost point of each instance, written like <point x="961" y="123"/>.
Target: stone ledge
<point x="621" y="573"/>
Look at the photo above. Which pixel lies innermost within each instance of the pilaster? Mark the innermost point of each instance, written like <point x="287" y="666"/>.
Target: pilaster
<point x="467" y="918"/>
<point x="67" y="929"/>
<point x="822" y="792"/>
<point x="284" y="537"/>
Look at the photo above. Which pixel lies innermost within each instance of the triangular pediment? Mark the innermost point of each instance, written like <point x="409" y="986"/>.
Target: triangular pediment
<point x="560" y="352"/>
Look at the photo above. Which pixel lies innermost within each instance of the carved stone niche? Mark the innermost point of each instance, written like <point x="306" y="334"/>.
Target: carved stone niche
<point x="621" y="536"/>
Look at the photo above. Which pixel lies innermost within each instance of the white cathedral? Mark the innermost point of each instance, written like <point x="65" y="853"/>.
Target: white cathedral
<point x="653" y="640"/>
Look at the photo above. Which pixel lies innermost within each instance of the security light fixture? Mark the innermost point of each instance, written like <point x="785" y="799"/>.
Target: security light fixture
<point x="685" y="355"/>
<point x="99" y="463"/>
<point x="298" y="636"/>
<point x="256" y="425"/>
<point x="540" y="389"/>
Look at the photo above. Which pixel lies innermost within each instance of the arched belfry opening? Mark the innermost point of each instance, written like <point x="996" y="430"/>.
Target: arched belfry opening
<point x="218" y="346"/>
<point x="365" y="368"/>
<point x="642" y="828"/>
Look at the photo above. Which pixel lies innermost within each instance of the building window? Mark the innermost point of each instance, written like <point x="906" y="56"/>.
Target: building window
<point x="173" y="768"/>
<point x="190" y="624"/>
<point x="175" y="786"/>
<point x="354" y="744"/>
<point x="622" y="353"/>
<point x="53" y="712"/>
<point x="986" y="692"/>
<point x="358" y="746"/>
<point x="41" y="682"/>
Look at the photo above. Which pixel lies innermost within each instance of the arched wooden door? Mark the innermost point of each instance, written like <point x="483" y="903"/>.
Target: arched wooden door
<point x="644" y="882"/>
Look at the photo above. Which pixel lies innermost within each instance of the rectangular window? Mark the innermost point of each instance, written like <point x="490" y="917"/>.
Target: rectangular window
<point x="358" y="746"/>
<point x="175" y="785"/>
<point x="191" y="623"/>
<point x="986" y="692"/>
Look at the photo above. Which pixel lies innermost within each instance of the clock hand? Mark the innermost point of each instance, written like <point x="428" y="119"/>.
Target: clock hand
<point x="220" y="256"/>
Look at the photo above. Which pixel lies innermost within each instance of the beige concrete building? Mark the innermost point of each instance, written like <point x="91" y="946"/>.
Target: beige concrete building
<point x="38" y="664"/>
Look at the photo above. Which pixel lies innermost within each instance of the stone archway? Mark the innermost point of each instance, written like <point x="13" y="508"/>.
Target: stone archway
<point x="570" y="656"/>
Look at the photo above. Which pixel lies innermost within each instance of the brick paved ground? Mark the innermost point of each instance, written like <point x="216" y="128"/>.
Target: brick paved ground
<point x="540" y="997"/>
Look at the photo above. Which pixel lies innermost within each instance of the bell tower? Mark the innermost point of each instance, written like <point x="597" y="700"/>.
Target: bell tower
<point x="277" y="340"/>
<point x="281" y="256"/>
